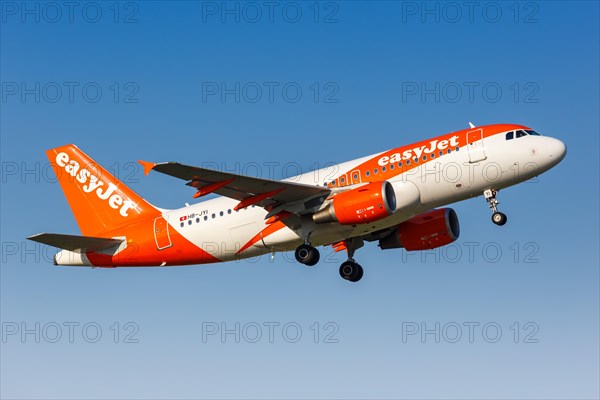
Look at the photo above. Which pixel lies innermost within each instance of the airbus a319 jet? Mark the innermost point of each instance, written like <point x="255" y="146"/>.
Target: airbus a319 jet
<point x="392" y="198"/>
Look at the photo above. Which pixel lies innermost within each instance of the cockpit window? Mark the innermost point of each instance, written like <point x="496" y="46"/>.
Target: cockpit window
<point x="521" y="134"/>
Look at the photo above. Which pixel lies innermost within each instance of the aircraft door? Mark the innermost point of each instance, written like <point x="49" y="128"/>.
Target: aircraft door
<point x="355" y="177"/>
<point x="161" y="233"/>
<point x="475" y="145"/>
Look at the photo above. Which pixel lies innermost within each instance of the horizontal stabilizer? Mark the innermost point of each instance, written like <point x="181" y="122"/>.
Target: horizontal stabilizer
<point x="73" y="242"/>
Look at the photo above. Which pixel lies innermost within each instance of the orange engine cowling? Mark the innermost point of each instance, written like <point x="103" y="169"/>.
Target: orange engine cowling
<point x="425" y="231"/>
<point x="367" y="203"/>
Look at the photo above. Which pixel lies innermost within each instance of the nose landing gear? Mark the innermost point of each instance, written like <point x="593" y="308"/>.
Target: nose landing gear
<point x="497" y="217"/>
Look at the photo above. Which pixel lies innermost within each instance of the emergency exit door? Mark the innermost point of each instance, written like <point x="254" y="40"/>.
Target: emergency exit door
<point x="161" y="233"/>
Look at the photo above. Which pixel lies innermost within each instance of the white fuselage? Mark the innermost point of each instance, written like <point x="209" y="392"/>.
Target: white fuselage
<point x="492" y="162"/>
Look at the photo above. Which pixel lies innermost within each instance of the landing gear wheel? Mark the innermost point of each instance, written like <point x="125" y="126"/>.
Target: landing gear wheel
<point x="351" y="271"/>
<point x="499" y="218"/>
<point x="307" y="255"/>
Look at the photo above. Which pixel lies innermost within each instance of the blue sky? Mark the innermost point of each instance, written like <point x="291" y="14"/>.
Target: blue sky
<point x="178" y="81"/>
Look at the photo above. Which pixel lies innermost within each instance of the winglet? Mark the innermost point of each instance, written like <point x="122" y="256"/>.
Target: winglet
<point x="148" y="166"/>
<point x="471" y="125"/>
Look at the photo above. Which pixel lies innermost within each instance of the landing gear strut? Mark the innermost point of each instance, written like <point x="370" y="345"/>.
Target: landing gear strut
<point x="307" y="254"/>
<point x="497" y="217"/>
<point x="351" y="270"/>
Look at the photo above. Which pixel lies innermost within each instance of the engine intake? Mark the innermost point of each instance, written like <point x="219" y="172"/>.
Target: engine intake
<point x="367" y="203"/>
<point x="425" y="231"/>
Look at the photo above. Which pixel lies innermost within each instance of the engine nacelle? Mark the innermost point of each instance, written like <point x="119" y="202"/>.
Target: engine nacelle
<point x="425" y="231"/>
<point x="367" y="203"/>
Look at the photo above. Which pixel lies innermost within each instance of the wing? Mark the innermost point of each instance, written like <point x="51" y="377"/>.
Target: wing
<point x="248" y="190"/>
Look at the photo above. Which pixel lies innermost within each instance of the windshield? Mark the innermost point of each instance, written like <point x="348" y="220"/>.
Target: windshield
<point x="520" y="133"/>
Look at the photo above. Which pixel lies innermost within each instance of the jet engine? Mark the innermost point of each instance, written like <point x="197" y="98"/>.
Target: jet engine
<point x="425" y="231"/>
<point x="368" y="203"/>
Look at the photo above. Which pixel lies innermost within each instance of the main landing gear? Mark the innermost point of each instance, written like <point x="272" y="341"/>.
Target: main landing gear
<point x="307" y="254"/>
<point x="351" y="270"/>
<point x="497" y="217"/>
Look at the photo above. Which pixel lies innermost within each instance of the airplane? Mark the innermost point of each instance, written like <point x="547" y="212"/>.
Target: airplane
<point x="392" y="198"/>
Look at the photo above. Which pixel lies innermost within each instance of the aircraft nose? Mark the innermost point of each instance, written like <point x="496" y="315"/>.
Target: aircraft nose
<point x="553" y="152"/>
<point x="556" y="150"/>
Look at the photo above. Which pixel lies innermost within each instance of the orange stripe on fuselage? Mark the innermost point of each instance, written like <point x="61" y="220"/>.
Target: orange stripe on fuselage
<point x="270" y="229"/>
<point x="420" y="149"/>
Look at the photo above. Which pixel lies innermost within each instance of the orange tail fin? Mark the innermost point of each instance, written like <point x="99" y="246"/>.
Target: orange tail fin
<point x="98" y="200"/>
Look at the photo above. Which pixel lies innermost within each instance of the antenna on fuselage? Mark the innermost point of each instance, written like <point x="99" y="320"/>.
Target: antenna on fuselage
<point x="471" y="125"/>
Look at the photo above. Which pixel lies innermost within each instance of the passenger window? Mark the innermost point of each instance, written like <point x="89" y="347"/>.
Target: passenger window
<point x="441" y="153"/>
<point x="355" y="176"/>
<point x="229" y="211"/>
<point x="206" y="217"/>
<point x="198" y="220"/>
<point x="182" y="224"/>
<point x="213" y="216"/>
<point x="382" y="169"/>
<point x="391" y="167"/>
<point x="375" y="171"/>
<point x="510" y="135"/>
<point x="189" y="222"/>
<point x="400" y="165"/>
<point x="424" y="158"/>
<point x="367" y="173"/>
<point x="407" y="162"/>
<point x="416" y="159"/>
<point x="221" y="213"/>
